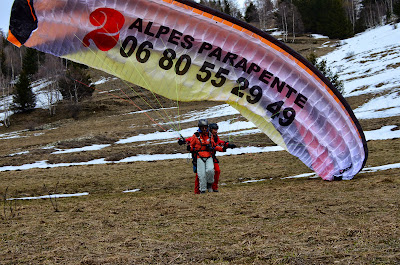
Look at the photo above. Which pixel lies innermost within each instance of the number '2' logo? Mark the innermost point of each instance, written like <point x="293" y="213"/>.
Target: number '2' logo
<point x="110" y="22"/>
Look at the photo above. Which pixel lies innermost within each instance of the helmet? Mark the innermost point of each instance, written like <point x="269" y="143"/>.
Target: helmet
<point x="213" y="126"/>
<point x="203" y="122"/>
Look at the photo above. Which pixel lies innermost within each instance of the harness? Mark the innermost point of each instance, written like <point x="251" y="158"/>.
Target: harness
<point x="198" y="137"/>
<point x="196" y="153"/>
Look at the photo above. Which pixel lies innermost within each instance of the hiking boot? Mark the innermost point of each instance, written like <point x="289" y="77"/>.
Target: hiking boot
<point x="215" y="190"/>
<point x="201" y="192"/>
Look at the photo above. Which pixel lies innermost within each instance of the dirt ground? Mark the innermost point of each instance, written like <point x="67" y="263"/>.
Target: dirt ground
<point x="275" y="220"/>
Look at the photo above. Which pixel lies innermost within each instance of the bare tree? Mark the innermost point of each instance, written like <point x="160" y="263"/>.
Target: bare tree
<point x="293" y="19"/>
<point x="289" y="19"/>
<point x="5" y="80"/>
<point x="379" y="10"/>
<point x="49" y="72"/>
<point x="390" y="5"/>
<point x="75" y="86"/>
<point x="13" y="60"/>
<point x="6" y="100"/>
<point x="265" y="10"/>
<point x="9" y="205"/>
<point x="374" y="12"/>
<point x="52" y="197"/>
<point x="284" y="22"/>
<point x="352" y="10"/>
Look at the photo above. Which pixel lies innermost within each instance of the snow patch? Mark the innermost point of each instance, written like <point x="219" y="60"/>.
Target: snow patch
<point x="51" y="196"/>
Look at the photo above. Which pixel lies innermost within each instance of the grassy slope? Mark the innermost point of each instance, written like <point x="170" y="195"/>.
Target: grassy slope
<point x="296" y="221"/>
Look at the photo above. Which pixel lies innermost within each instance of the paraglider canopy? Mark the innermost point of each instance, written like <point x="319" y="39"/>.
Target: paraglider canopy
<point x="185" y="51"/>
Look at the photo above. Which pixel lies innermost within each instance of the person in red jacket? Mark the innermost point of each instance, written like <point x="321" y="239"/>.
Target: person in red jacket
<point x="213" y="128"/>
<point x="186" y="141"/>
<point x="203" y="145"/>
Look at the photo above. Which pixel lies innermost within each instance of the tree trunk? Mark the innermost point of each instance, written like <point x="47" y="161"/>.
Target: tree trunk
<point x="292" y="7"/>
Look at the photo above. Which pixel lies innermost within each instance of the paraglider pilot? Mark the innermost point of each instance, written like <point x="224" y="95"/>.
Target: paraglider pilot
<point x="203" y="145"/>
<point x="213" y="127"/>
<point x="216" y="144"/>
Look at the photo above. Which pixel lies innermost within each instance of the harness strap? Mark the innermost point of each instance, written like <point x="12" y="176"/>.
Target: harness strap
<point x="204" y="159"/>
<point x="198" y="137"/>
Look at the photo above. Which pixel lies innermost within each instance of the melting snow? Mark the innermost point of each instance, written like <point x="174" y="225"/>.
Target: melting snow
<point x="51" y="196"/>
<point x="364" y="170"/>
<point x="384" y="133"/>
<point x="83" y="149"/>
<point x="134" y="190"/>
<point x="367" y="63"/>
<point x="380" y="107"/>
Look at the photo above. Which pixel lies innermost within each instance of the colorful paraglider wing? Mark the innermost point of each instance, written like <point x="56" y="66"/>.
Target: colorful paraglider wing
<point x="184" y="51"/>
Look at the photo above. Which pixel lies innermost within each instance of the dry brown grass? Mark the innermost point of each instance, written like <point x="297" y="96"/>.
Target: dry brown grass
<point x="303" y="221"/>
<point x="275" y="221"/>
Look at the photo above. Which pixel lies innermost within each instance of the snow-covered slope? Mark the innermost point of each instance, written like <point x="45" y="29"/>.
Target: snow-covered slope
<point x="369" y="63"/>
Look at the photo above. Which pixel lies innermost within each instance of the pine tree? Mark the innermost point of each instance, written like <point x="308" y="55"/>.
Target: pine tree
<point x="339" y="25"/>
<point x="23" y="100"/>
<point x="227" y="7"/>
<point x="251" y="14"/>
<point x="3" y="66"/>
<point x="327" y="17"/>
<point x="30" y="62"/>
<point x="219" y="5"/>
<point x="327" y="72"/>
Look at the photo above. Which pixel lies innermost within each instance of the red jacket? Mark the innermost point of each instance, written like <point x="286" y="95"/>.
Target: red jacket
<point x="218" y="141"/>
<point x="199" y="143"/>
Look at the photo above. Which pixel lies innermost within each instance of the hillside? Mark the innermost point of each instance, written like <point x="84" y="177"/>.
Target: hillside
<point x="128" y="185"/>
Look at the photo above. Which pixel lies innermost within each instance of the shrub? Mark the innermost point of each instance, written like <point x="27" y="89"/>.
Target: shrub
<point x="326" y="71"/>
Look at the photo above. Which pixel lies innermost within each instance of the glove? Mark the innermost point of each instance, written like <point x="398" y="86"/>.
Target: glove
<point x="188" y="148"/>
<point x="181" y="141"/>
<point x="209" y="148"/>
<point x="231" y="146"/>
